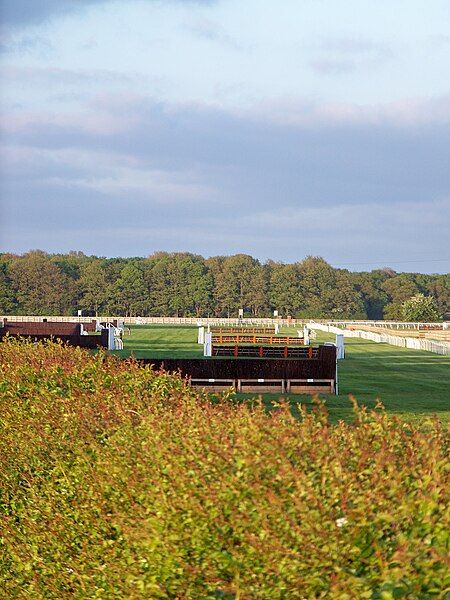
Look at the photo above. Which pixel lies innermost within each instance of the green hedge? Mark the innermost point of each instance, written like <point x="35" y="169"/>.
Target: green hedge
<point x="118" y="482"/>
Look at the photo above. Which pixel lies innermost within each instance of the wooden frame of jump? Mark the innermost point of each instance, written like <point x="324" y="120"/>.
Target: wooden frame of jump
<point x="261" y="386"/>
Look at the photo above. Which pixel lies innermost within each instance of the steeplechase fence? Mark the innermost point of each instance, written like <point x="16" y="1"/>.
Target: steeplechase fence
<point x="278" y="375"/>
<point x="243" y="338"/>
<point x="248" y="330"/>
<point x="265" y="351"/>
<point x="68" y="333"/>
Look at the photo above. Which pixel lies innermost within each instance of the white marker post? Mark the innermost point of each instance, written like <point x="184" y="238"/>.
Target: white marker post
<point x="201" y="335"/>
<point x="111" y="339"/>
<point x="207" y="346"/>
<point x="340" y="347"/>
<point x="306" y="336"/>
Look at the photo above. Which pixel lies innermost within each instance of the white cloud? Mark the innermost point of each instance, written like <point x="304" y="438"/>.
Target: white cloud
<point x="297" y="111"/>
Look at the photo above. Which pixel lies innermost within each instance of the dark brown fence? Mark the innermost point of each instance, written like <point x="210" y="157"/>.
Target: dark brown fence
<point x="90" y="325"/>
<point x="265" y="351"/>
<point x="69" y="333"/>
<point x="296" y="375"/>
<point x="267" y="330"/>
<point x="248" y="338"/>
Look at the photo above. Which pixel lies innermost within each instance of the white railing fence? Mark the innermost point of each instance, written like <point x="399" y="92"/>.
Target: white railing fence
<point x="443" y="325"/>
<point x="442" y="348"/>
<point x="247" y="321"/>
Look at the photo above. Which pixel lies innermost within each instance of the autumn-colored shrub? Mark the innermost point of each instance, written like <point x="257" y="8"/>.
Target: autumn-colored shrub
<point x="119" y="482"/>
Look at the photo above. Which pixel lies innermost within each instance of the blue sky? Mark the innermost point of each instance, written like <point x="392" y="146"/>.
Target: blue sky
<point x="278" y="129"/>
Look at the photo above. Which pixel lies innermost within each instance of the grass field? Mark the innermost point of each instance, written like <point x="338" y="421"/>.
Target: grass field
<point x="408" y="382"/>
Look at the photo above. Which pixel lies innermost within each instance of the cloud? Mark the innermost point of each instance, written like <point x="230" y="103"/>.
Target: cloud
<point x="18" y="13"/>
<point x="45" y="76"/>
<point x="21" y="13"/>
<point x="145" y="175"/>
<point x="327" y="66"/>
<point x="25" y="44"/>
<point x="301" y="112"/>
<point x="356" y="46"/>
<point x="125" y="176"/>
<point x="209" y="30"/>
<point x="346" y="55"/>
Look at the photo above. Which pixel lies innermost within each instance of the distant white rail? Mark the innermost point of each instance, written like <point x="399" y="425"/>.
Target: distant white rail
<point x="246" y="321"/>
<point x="442" y="348"/>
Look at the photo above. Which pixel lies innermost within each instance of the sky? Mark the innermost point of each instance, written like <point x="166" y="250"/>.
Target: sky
<point x="276" y="129"/>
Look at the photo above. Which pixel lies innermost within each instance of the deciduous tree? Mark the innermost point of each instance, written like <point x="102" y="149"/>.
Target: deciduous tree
<point x="420" y="308"/>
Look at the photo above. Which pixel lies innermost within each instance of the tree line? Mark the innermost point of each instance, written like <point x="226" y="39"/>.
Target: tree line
<point x="184" y="284"/>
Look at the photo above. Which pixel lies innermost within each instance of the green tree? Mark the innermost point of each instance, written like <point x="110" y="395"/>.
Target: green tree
<point x="370" y="287"/>
<point x="285" y="288"/>
<point x="93" y="287"/>
<point x="329" y="293"/>
<point x="398" y="289"/>
<point x="157" y="278"/>
<point x="240" y="282"/>
<point x="8" y="304"/>
<point x="438" y="286"/>
<point x="420" y="308"/>
<point x="180" y="284"/>
<point x="129" y="294"/>
<point x="191" y="285"/>
<point x="40" y="286"/>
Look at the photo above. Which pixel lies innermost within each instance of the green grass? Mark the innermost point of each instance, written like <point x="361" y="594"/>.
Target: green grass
<point x="161" y="342"/>
<point x="409" y="383"/>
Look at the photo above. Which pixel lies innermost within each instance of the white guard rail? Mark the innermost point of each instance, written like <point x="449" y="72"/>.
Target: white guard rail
<point x="442" y="348"/>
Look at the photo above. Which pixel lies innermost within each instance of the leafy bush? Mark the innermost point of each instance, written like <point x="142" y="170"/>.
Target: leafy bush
<point x="420" y="308"/>
<point x="119" y="482"/>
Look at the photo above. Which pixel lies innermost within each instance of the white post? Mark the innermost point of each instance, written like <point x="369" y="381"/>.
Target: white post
<point x="111" y="339"/>
<point x="207" y="346"/>
<point x="305" y="336"/>
<point x="277" y="328"/>
<point x="201" y="335"/>
<point x="336" y="382"/>
<point x="340" y="348"/>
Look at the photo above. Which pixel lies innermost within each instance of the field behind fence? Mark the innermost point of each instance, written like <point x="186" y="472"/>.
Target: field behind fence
<point x="437" y="347"/>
